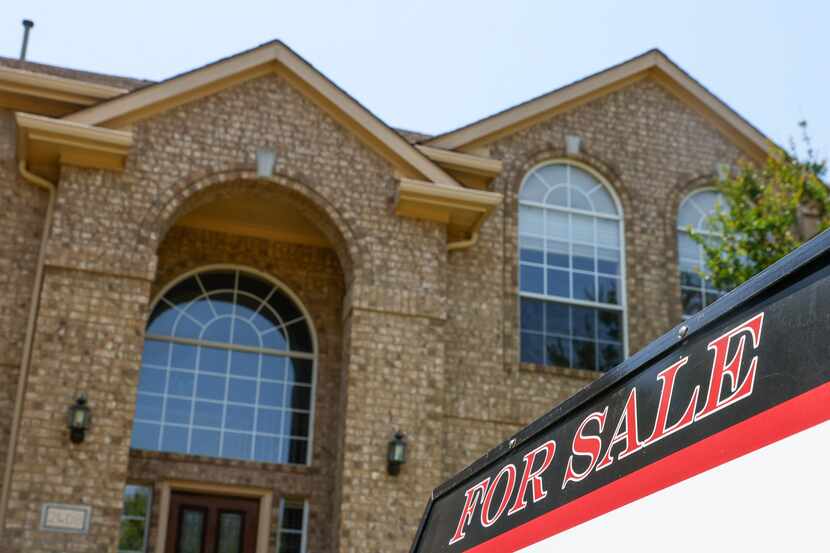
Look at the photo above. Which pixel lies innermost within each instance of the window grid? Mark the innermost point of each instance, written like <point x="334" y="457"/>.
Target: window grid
<point x="696" y="290"/>
<point x="194" y="387"/>
<point x="211" y="297"/>
<point x="227" y="369"/>
<point x="571" y="301"/>
<point x="293" y="526"/>
<point x="130" y="534"/>
<point x="235" y="432"/>
<point x="578" y="253"/>
<point x="578" y="339"/>
<point x="257" y="393"/>
<point x="588" y="212"/>
<point x="229" y="347"/>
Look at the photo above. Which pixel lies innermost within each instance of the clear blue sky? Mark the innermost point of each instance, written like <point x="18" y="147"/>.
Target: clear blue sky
<point x="433" y="66"/>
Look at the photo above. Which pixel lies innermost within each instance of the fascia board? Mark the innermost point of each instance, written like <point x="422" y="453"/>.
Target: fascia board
<point x="653" y="63"/>
<point x="461" y="162"/>
<point x="276" y="58"/>
<point x="460" y="208"/>
<point x="47" y="142"/>
<point x="477" y="132"/>
<point x="165" y="94"/>
<point x="71" y="91"/>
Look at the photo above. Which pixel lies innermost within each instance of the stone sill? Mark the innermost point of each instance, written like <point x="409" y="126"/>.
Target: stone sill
<point x="163" y="456"/>
<point x="552" y="370"/>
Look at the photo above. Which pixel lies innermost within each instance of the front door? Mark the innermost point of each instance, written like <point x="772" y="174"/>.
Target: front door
<point x="211" y="524"/>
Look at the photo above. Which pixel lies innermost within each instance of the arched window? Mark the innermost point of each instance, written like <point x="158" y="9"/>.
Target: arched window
<point x="227" y="371"/>
<point x="695" y="289"/>
<point x="570" y="273"/>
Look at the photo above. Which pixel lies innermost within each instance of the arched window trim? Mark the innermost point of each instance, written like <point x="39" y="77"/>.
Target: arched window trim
<point x="278" y="284"/>
<point x="620" y="217"/>
<point x="685" y="199"/>
<point x="681" y="229"/>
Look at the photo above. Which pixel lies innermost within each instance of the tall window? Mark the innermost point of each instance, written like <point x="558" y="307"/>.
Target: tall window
<point x="570" y="270"/>
<point x="695" y="288"/>
<point x="227" y="371"/>
<point x="293" y="524"/>
<point x="135" y="516"/>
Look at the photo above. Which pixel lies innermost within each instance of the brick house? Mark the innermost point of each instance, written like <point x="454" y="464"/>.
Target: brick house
<point x="250" y="335"/>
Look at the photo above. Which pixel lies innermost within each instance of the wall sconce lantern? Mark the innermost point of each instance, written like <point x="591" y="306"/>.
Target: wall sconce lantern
<point x="266" y="160"/>
<point x="79" y="419"/>
<point x="396" y="455"/>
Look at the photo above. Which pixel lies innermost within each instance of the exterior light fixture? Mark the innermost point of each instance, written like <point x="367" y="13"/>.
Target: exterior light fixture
<point x="79" y="419"/>
<point x="723" y="170"/>
<point x="266" y="159"/>
<point x="573" y="145"/>
<point x="396" y="456"/>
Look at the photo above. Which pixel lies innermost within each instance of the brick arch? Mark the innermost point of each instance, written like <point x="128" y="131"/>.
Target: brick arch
<point x="301" y="197"/>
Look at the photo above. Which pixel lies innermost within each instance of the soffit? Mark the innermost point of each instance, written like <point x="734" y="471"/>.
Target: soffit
<point x="46" y="143"/>
<point x="463" y="210"/>
<point x="251" y="217"/>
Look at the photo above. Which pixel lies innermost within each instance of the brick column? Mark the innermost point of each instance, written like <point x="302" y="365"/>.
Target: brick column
<point x="395" y="382"/>
<point x="89" y="339"/>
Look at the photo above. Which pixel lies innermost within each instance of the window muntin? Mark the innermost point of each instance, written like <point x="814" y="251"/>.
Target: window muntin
<point x="293" y="526"/>
<point x="135" y="518"/>
<point x="570" y="270"/>
<point x="696" y="290"/>
<point x="227" y="371"/>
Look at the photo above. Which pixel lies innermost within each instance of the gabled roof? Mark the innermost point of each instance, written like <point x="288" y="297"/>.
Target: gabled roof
<point x="271" y="57"/>
<point x="653" y="63"/>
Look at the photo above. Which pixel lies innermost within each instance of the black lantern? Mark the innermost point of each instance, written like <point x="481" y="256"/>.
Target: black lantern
<point x="79" y="419"/>
<point x="396" y="455"/>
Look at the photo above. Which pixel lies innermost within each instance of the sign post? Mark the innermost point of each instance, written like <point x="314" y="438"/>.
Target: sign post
<point x="714" y="436"/>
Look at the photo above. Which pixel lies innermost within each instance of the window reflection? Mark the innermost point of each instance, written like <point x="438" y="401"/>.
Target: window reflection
<point x="135" y="515"/>
<point x="570" y="279"/>
<point x="227" y="371"/>
<point x="696" y="291"/>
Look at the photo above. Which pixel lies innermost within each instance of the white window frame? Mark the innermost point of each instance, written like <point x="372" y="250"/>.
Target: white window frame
<point x="304" y="532"/>
<point x="146" y="517"/>
<point x="620" y="218"/>
<point x="681" y="230"/>
<point x="313" y="356"/>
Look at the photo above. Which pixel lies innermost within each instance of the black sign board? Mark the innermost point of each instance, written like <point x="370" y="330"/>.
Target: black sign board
<point x="693" y="425"/>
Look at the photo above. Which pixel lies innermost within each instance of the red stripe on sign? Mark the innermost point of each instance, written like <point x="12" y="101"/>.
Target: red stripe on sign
<point x="783" y="420"/>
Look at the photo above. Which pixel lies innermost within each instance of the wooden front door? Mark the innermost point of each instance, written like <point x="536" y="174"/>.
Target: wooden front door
<point x="211" y="524"/>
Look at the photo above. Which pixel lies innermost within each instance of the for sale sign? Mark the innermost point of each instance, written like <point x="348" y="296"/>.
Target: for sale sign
<point x="715" y="436"/>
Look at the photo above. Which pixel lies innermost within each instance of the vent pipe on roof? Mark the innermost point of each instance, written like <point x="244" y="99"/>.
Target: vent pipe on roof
<point x="27" y="26"/>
